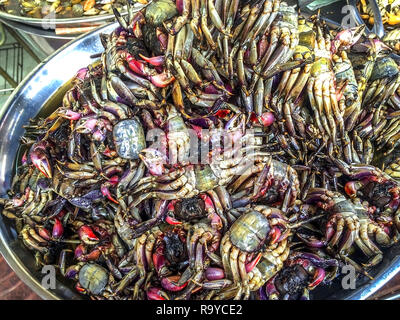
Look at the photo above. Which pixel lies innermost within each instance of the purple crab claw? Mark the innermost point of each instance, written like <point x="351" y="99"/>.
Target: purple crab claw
<point x="81" y="74"/>
<point x="154" y="161"/>
<point x="40" y="161"/>
<point x="347" y="38"/>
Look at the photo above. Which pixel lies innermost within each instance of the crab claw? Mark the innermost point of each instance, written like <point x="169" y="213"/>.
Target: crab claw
<point x="72" y="272"/>
<point x="18" y="202"/>
<point x="154" y="61"/>
<point x="251" y="265"/>
<point x="214" y="218"/>
<point x="68" y="114"/>
<point x="154" y="161"/>
<point x="79" y="288"/>
<point x="58" y="228"/>
<point x="172" y="221"/>
<point x="87" y="235"/>
<point x="162" y="38"/>
<point x="169" y="218"/>
<point x="154" y="293"/>
<point x="160" y="263"/>
<point x="80" y="254"/>
<point x="275" y="234"/>
<point x="170" y="283"/>
<point x="113" y="180"/>
<point x="392" y="19"/>
<point x="162" y="80"/>
<point x="44" y="233"/>
<point x="109" y="153"/>
<point x="106" y="192"/>
<point x="136" y="66"/>
<point x="213" y="273"/>
<point x="81" y="74"/>
<point x="270" y="289"/>
<point x="311" y="240"/>
<point x="319" y="276"/>
<point x="79" y="250"/>
<point x="236" y="127"/>
<point x="40" y="161"/>
<point x="24" y="158"/>
<point x="346" y="38"/>
<point x="352" y="187"/>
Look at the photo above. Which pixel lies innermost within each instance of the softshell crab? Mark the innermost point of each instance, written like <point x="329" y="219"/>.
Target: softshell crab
<point x="252" y="251"/>
<point x="302" y="272"/>
<point x="353" y="217"/>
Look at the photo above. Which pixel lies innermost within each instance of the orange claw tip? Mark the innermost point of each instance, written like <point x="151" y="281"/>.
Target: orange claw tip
<point x="275" y="234"/>
<point x="154" y="293"/>
<point x="154" y="61"/>
<point x="44" y="233"/>
<point x="105" y="192"/>
<point x="170" y="283"/>
<point x="351" y="188"/>
<point x="251" y="265"/>
<point x="392" y="19"/>
<point x="88" y="4"/>
<point x="162" y="80"/>
<point x="319" y="276"/>
<point x="79" y="288"/>
<point x="172" y="221"/>
<point x="87" y="235"/>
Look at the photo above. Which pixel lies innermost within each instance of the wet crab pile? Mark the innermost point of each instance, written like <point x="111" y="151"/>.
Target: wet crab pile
<point x="216" y="150"/>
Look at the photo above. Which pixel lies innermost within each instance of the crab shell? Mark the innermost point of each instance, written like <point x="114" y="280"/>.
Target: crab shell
<point x="250" y="231"/>
<point x="129" y="139"/>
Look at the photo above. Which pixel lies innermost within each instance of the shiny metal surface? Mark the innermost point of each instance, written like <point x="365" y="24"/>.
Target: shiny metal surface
<point x="81" y="21"/>
<point x="34" y="30"/>
<point x="42" y="42"/>
<point x="25" y="103"/>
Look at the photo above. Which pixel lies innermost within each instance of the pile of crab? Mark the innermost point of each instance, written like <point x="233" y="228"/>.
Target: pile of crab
<point x="218" y="149"/>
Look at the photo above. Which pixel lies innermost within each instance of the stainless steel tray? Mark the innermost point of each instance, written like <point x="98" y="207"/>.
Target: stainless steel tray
<point x="64" y="22"/>
<point x="25" y="103"/>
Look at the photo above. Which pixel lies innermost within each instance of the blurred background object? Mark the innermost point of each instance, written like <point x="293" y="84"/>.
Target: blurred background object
<point x="11" y="287"/>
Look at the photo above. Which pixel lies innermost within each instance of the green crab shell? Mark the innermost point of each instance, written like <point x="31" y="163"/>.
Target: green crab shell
<point x="129" y="138"/>
<point x="384" y="68"/>
<point x="93" y="278"/>
<point x="248" y="233"/>
<point x="205" y="178"/>
<point x="160" y="11"/>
